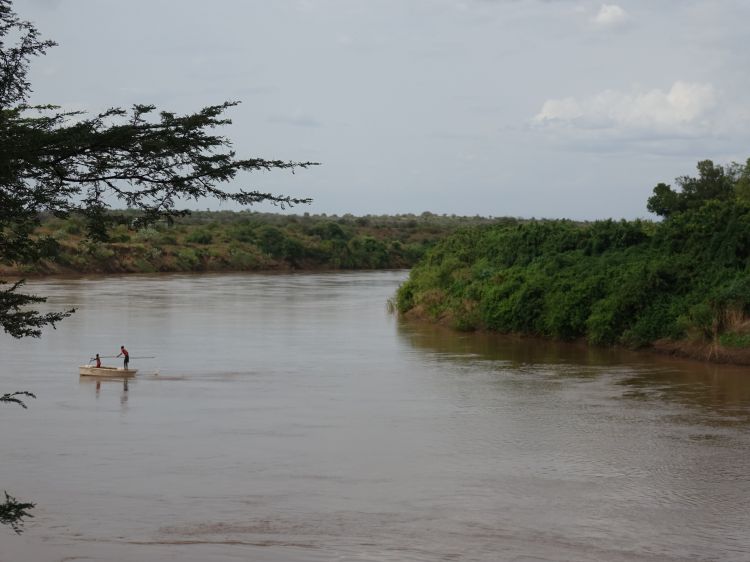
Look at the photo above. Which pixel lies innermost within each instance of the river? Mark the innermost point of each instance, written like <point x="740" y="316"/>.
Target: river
<point x="292" y="418"/>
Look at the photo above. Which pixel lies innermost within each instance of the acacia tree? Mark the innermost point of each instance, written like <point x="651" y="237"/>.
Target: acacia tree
<point x="61" y="163"/>
<point x="713" y="183"/>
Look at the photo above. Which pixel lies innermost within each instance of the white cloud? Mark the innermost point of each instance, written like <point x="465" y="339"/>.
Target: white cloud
<point x="566" y="109"/>
<point x="687" y="119"/>
<point x="686" y="105"/>
<point x="610" y="15"/>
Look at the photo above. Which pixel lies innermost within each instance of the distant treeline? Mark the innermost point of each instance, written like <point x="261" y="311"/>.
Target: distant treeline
<point x="241" y="241"/>
<point x="611" y="282"/>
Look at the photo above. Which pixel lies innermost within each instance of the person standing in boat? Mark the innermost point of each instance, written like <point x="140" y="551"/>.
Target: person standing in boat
<point x="98" y="361"/>
<point x="126" y="356"/>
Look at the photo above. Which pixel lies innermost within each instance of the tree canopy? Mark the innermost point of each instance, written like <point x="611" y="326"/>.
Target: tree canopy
<point x="713" y="183"/>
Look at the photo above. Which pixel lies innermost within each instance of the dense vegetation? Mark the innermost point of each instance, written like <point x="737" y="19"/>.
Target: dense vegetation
<point x="625" y="282"/>
<point x="221" y="241"/>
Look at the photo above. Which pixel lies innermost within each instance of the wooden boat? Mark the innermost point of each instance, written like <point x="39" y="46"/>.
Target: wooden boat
<point x="91" y="371"/>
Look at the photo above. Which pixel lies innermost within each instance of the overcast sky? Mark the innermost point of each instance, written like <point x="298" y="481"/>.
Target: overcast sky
<point x="531" y="108"/>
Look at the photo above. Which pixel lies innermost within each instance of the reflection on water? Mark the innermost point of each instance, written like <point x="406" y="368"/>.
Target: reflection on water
<point x="722" y="390"/>
<point x="122" y="383"/>
<point x="293" y="419"/>
<point x="712" y="392"/>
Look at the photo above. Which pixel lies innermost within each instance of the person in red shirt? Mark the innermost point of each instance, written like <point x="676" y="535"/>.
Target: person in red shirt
<point x="98" y="361"/>
<point x="126" y="356"/>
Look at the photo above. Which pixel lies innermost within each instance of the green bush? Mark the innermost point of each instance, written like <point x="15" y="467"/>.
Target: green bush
<point x="167" y="238"/>
<point x="628" y="282"/>
<point x="74" y="226"/>
<point x="735" y="340"/>
<point x="199" y="237"/>
<point x="243" y="232"/>
<point x="147" y="235"/>
<point x="187" y="259"/>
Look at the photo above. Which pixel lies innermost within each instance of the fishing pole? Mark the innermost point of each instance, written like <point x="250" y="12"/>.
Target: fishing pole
<point x="132" y="356"/>
<point x="118" y="356"/>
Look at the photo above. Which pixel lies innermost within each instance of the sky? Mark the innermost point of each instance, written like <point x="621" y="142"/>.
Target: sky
<point x="527" y="108"/>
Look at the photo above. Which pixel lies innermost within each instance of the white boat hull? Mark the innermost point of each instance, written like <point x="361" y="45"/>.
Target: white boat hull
<point x="91" y="371"/>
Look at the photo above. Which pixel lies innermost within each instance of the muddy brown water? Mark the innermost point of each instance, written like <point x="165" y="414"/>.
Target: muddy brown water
<point x="293" y="419"/>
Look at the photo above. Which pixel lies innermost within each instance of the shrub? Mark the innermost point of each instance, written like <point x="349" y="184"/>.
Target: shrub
<point x="199" y="236"/>
<point x="187" y="259"/>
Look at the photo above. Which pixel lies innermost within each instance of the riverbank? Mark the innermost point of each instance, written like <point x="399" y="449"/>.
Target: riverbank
<point x="696" y="350"/>
<point x="711" y="352"/>
<point x="680" y="285"/>
<point x="240" y="241"/>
